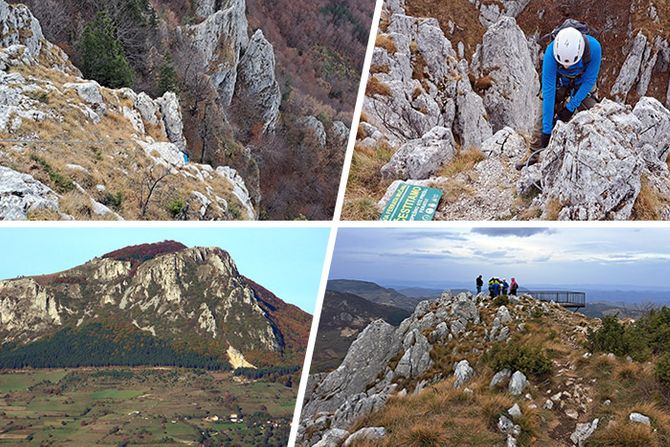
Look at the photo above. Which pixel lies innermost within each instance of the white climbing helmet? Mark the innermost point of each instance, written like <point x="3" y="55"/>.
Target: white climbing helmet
<point x="569" y="46"/>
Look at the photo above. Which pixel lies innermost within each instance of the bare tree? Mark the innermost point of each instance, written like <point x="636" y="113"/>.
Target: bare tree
<point x="152" y="177"/>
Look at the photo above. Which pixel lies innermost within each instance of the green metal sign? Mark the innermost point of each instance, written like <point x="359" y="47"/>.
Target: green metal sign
<point x="411" y="202"/>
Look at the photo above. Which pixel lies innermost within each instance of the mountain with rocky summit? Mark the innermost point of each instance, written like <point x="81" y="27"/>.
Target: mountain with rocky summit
<point x="452" y="99"/>
<point x="470" y="370"/>
<point x="163" y="304"/>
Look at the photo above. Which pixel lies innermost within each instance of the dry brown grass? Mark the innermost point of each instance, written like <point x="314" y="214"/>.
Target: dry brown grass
<point x="648" y="203"/>
<point x="442" y="415"/>
<point x="465" y="160"/>
<point x="623" y="433"/>
<point x="366" y="186"/>
<point x="376" y="87"/>
<point x="106" y="151"/>
<point x="382" y="68"/>
<point x="384" y="41"/>
<point x="553" y="208"/>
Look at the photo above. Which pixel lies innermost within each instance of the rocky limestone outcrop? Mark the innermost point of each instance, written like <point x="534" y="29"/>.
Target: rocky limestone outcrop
<point x="18" y="27"/>
<point x="172" y="119"/>
<point x="491" y="12"/>
<point x="40" y="108"/>
<point x="421" y="84"/>
<point x="220" y="39"/>
<point x="366" y="379"/>
<point x="419" y="159"/>
<point x="21" y="194"/>
<point x="241" y="68"/>
<point x="593" y="165"/>
<point x="377" y="367"/>
<point x="512" y="99"/>
<point x="256" y="85"/>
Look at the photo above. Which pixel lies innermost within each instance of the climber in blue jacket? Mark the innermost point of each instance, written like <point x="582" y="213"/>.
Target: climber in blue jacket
<point x="569" y="76"/>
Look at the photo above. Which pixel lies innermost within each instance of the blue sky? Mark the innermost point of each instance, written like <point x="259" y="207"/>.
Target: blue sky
<point x="287" y="261"/>
<point x="626" y="257"/>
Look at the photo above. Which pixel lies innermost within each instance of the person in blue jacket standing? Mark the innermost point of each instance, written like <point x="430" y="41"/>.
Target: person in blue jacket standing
<point x="569" y="75"/>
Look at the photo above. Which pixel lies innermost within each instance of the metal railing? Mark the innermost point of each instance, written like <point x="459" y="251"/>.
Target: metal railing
<point x="564" y="298"/>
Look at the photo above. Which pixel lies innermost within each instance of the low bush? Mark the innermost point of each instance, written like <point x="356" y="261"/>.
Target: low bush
<point x="517" y="356"/>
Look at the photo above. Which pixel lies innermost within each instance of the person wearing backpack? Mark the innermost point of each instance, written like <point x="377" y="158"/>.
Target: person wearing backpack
<point x="514" y="286"/>
<point x="569" y="76"/>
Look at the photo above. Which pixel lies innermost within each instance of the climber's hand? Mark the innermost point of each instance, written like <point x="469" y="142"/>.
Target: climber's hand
<point x="565" y="115"/>
<point x="544" y="142"/>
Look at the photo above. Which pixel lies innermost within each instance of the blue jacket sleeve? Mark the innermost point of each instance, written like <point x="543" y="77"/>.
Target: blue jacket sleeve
<point x="549" y="73"/>
<point x="590" y="76"/>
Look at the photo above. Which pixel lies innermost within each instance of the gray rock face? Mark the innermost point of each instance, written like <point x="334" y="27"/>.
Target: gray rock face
<point x="463" y="373"/>
<point x="317" y="129"/>
<point x="517" y="383"/>
<point x="21" y="194"/>
<point x="19" y="27"/>
<point x="365" y="359"/>
<point x="512" y="99"/>
<point x="639" y="418"/>
<point x="583" y="432"/>
<point x="419" y="159"/>
<point x="630" y="68"/>
<point x="490" y="13"/>
<point x="655" y="135"/>
<point x="220" y="39"/>
<point x="172" y="119"/>
<point x="365" y="434"/>
<point x="333" y="438"/>
<point x="257" y="86"/>
<point x="515" y="411"/>
<point x="591" y="166"/>
<point x="500" y="378"/>
<point x="89" y="91"/>
<point x="341" y="132"/>
<point x="412" y="107"/>
<point x="365" y="380"/>
<point x="239" y="189"/>
<point x="416" y="358"/>
<point x="204" y="8"/>
<point x="506" y="142"/>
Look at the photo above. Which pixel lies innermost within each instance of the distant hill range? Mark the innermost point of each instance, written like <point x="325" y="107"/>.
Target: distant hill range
<point x="343" y="316"/>
<point x="150" y="304"/>
<point x="374" y="292"/>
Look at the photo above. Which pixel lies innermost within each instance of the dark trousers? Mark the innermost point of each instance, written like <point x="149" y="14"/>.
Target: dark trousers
<point x="562" y="96"/>
<point x="479" y="289"/>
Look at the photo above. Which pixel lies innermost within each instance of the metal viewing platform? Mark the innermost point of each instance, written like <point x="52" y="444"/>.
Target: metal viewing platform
<point x="565" y="299"/>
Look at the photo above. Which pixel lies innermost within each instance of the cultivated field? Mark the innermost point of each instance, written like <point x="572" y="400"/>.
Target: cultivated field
<point x="140" y="406"/>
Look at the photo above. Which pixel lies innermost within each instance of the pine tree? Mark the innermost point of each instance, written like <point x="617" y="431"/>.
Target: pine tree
<point x="102" y="56"/>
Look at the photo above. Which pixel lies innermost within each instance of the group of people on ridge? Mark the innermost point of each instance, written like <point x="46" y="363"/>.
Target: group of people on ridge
<point x="497" y="286"/>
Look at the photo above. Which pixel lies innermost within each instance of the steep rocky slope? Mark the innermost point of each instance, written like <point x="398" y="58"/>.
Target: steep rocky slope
<point x="469" y="370"/>
<point x="190" y="300"/>
<point x="73" y="149"/>
<point x="343" y="317"/>
<point x="451" y="102"/>
<point x="265" y="93"/>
